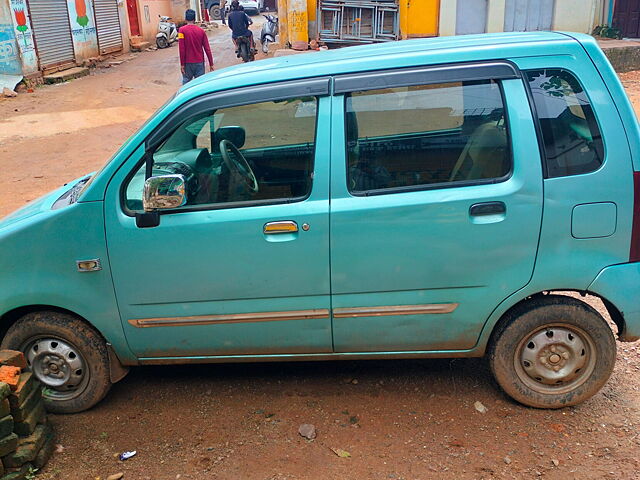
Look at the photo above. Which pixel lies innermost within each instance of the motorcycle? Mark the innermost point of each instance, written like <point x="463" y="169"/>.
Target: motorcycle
<point x="167" y="32"/>
<point x="268" y="32"/>
<point x="244" y="49"/>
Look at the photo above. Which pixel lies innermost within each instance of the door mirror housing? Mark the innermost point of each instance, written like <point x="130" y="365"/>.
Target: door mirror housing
<point x="164" y="192"/>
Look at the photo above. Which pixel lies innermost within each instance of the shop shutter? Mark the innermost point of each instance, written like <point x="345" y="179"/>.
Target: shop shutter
<point x="528" y="15"/>
<point x="52" y="32"/>
<point x="108" y="25"/>
<point x="471" y="16"/>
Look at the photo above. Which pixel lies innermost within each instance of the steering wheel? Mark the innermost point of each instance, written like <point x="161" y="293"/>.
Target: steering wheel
<point x="238" y="163"/>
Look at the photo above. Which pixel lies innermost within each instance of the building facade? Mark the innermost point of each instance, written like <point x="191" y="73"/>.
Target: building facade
<point x="43" y="36"/>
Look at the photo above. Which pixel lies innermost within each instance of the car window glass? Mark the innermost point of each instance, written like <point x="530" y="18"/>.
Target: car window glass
<point x="572" y="139"/>
<point x="417" y="136"/>
<point x="251" y="153"/>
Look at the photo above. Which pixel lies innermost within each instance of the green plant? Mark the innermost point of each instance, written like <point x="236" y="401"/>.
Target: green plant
<point x="607" y="31"/>
<point x="31" y="473"/>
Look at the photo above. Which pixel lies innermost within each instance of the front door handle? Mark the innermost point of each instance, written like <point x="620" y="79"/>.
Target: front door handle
<point x="487" y="208"/>
<point x="284" y="226"/>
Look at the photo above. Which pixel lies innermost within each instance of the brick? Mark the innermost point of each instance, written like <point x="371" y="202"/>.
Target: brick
<point x="26" y="427"/>
<point x="5" y="408"/>
<point x="13" y="358"/>
<point x="18" y="474"/>
<point x="6" y="426"/>
<point x="5" y="391"/>
<point x="8" y="444"/>
<point x="27" y="449"/>
<point x="10" y="375"/>
<point x="28" y="405"/>
<point x="23" y="389"/>
<point x="46" y="451"/>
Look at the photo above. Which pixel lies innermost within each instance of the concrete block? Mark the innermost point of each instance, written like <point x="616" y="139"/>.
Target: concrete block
<point x="8" y="444"/>
<point x="26" y="427"/>
<point x="6" y="426"/>
<point x="46" y="451"/>
<point x="28" y="405"/>
<point x="27" y="448"/>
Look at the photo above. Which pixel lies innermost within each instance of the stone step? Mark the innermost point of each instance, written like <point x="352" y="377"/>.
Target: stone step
<point x="66" y="75"/>
<point x="139" y="46"/>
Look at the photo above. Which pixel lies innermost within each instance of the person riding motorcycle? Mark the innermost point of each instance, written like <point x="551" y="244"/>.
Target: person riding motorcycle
<point x="239" y="22"/>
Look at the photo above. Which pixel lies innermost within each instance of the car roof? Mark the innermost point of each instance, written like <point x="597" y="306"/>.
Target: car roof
<point x="376" y="56"/>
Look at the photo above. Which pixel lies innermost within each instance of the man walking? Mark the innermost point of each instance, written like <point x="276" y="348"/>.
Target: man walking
<point x="223" y="10"/>
<point x="193" y="41"/>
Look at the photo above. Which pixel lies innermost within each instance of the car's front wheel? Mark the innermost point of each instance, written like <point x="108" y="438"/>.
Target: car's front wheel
<point x="552" y="352"/>
<point x="68" y="356"/>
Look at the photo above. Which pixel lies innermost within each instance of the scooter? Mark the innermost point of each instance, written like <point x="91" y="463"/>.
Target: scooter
<point x="167" y="32"/>
<point x="268" y="32"/>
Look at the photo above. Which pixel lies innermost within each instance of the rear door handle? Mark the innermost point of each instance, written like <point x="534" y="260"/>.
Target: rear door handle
<point x="284" y="226"/>
<point x="487" y="208"/>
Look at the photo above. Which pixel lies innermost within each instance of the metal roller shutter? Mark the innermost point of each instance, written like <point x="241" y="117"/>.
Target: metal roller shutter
<point x="52" y="32"/>
<point x="108" y="25"/>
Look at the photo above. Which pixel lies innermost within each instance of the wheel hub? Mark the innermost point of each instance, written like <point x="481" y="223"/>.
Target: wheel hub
<point x="554" y="357"/>
<point x="56" y="363"/>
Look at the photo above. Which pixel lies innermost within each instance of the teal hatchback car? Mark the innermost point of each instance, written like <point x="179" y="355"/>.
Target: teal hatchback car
<point x="423" y="198"/>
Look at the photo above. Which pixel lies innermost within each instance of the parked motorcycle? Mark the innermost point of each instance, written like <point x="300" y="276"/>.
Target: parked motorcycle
<point x="244" y="49"/>
<point x="167" y="32"/>
<point x="268" y="32"/>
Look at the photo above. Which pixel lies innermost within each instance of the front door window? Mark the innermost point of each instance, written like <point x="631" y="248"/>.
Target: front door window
<point x="259" y="153"/>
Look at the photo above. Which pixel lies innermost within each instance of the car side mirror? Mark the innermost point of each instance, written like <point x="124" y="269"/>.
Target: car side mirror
<point x="164" y="192"/>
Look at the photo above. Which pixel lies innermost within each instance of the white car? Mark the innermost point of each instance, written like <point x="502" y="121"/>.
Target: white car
<point x="251" y="7"/>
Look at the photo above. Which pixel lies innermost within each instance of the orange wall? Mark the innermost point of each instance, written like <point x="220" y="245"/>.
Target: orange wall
<point x="148" y="11"/>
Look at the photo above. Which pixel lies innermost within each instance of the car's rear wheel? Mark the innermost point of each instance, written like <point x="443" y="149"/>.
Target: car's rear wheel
<point x="215" y="13"/>
<point x="552" y="352"/>
<point x="68" y="356"/>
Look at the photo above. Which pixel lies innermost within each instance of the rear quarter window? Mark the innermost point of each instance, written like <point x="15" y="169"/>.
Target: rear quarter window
<point x="572" y="140"/>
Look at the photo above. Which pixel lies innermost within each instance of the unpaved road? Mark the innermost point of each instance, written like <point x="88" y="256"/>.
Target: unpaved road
<point x="398" y="419"/>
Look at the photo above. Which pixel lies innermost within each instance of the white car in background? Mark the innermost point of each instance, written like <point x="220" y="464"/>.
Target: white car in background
<point x="251" y="7"/>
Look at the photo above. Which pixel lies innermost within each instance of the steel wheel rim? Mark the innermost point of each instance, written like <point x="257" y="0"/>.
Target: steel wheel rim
<point x="555" y="359"/>
<point x="58" y="365"/>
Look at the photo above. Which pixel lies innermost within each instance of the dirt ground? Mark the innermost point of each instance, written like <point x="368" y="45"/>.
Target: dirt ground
<point x="397" y="419"/>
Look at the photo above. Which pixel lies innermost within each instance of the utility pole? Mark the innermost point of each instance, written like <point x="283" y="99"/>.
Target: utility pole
<point x="283" y="27"/>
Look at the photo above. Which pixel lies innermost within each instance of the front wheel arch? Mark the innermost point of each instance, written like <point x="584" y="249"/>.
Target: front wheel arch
<point x="117" y="369"/>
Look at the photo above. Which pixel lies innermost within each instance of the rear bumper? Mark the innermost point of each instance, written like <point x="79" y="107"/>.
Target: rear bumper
<point x="620" y="285"/>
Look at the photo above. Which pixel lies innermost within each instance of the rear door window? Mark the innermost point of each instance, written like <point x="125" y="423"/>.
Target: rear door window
<point x="424" y="136"/>
<point x="572" y="140"/>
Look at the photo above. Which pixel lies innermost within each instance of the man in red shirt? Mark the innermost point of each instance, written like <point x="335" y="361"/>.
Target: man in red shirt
<point x="193" y="41"/>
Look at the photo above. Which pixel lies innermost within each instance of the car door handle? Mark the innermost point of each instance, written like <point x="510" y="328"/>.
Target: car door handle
<point x="284" y="226"/>
<point x="487" y="208"/>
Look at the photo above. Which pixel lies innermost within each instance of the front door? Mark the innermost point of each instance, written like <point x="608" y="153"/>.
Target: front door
<point x="243" y="267"/>
<point x="132" y="13"/>
<point x="436" y="206"/>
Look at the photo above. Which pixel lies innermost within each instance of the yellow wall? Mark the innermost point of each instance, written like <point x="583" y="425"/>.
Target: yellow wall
<point x="419" y="18"/>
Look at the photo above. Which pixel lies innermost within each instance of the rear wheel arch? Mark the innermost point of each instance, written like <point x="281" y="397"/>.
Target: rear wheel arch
<point x="512" y="312"/>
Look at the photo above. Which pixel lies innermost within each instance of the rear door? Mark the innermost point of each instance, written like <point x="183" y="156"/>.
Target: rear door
<point x="436" y="204"/>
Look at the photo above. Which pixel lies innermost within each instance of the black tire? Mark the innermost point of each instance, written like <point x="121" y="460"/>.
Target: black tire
<point x="552" y="351"/>
<point x="215" y="12"/>
<point x="162" y="42"/>
<point x="73" y="345"/>
<point x="244" y="51"/>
